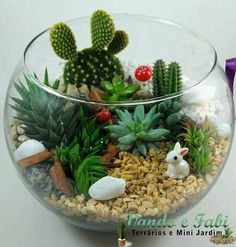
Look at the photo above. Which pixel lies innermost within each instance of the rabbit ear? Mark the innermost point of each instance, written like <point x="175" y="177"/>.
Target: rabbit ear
<point x="183" y="151"/>
<point x="177" y="147"/>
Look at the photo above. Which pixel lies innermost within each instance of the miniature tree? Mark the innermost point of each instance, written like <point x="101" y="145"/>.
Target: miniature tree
<point x="121" y="233"/>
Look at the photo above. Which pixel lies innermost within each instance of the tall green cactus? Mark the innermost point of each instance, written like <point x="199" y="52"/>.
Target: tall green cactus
<point x="166" y="80"/>
<point x="159" y="78"/>
<point x="173" y="79"/>
<point x="92" y="65"/>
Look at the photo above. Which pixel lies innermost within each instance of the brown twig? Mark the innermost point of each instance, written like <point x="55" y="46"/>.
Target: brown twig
<point x="35" y="159"/>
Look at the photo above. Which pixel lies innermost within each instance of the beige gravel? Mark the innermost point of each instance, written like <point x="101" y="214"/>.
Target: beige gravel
<point x="148" y="191"/>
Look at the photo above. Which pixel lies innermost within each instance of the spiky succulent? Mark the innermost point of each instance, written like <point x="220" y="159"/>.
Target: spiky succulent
<point x="197" y="139"/>
<point x="93" y="65"/>
<point x="137" y="132"/>
<point x="117" y="90"/>
<point x="80" y="159"/>
<point x="85" y="170"/>
<point x="166" y="80"/>
<point x="45" y="116"/>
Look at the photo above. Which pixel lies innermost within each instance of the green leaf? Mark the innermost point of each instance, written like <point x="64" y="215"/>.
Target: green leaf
<point x="162" y="107"/>
<point x="125" y="117"/>
<point x="46" y="81"/>
<point x="107" y="86"/>
<point x="173" y="119"/>
<point x="176" y="106"/>
<point x="125" y="147"/>
<point x="154" y="135"/>
<point x="141" y="147"/>
<point x="150" y="115"/>
<point x="139" y="113"/>
<point x="117" y="129"/>
<point x="128" y="139"/>
<point x="131" y="89"/>
<point x="118" y="83"/>
<point x="56" y="84"/>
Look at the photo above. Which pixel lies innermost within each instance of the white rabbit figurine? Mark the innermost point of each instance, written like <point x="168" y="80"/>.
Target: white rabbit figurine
<point x="177" y="167"/>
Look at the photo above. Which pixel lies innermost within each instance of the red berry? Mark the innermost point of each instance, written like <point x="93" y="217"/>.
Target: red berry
<point x="143" y="73"/>
<point x="103" y="116"/>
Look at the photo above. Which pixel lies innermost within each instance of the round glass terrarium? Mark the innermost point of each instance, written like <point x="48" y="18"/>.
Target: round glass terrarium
<point x="96" y="144"/>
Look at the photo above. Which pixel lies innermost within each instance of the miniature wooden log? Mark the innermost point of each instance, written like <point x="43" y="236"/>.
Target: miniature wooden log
<point x="35" y="159"/>
<point x="59" y="178"/>
<point x="111" y="151"/>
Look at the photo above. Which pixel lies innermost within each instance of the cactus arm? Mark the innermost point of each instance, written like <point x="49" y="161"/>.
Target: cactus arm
<point x="102" y="29"/>
<point x="119" y="42"/>
<point x="63" y="41"/>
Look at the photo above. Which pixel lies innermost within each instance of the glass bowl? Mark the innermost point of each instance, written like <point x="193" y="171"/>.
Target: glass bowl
<point x="96" y="179"/>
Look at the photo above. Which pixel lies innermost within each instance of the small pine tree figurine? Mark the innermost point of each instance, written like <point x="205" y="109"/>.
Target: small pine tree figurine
<point x="121" y="234"/>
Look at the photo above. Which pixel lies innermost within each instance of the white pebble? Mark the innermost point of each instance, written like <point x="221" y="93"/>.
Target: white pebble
<point x="28" y="148"/>
<point x="224" y="130"/>
<point x="20" y="130"/>
<point x="22" y="138"/>
<point x="107" y="188"/>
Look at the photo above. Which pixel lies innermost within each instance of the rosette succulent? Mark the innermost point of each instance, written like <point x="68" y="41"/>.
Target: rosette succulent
<point x="137" y="131"/>
<point x="117" y="90"/>
<point x="40" y="112"/>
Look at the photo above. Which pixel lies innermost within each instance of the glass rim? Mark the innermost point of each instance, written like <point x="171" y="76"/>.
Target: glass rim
<point x="127" y="102"/>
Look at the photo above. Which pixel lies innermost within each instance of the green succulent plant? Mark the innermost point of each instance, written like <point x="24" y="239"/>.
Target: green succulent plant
<point x="166" y="80"/>
<point x="45" y="116"/>
<point x="197" y="140"/>
<point x="117" y="90"/>
<point x="80" y="158"/>
<point x="121" y="230"/>
<point x="85" y="170"/>
<point x="171" y="112"/>
<point x="92" y="65"/>
<point x="137" y="132"/>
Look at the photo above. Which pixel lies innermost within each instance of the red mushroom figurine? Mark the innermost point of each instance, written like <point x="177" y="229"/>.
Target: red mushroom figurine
<point x="143" y="73"/>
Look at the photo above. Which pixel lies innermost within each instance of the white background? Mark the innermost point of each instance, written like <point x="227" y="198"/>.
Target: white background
<point x="23" y="221"/>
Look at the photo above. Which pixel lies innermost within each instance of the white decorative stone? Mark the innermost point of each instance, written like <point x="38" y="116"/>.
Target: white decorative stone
<point x="224" y="130"/>
<point x="107" y="188"/>
<point x="28" y="148"/>
<point x="213" y="112"/>
<point x="199" y="96"/>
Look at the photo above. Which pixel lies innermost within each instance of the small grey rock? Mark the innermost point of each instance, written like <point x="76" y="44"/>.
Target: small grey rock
<point x="38" y="177"/>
